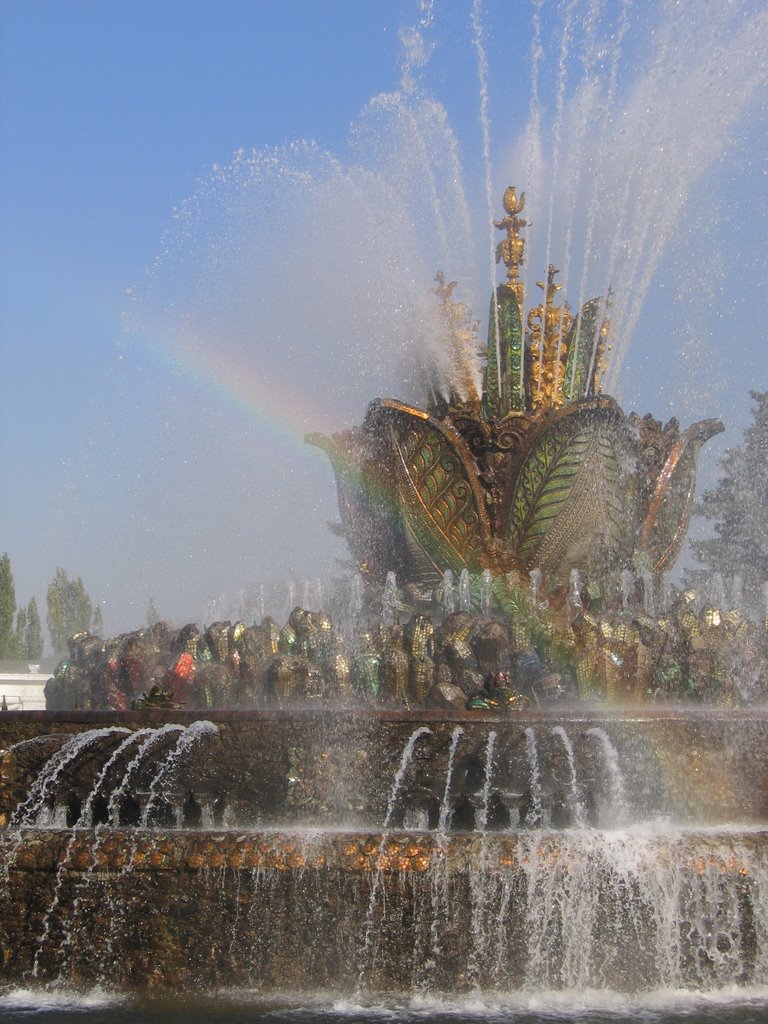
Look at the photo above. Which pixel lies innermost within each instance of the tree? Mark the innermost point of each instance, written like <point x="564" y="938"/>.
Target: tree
<point x="19" y="648"/>
<point x="738" y="509"/>
<point x="24" y="641"/>
<point x="69" y="609"/>
<point x="7" y="609"/>
<point x="97" y="622"/>
<point x="33" y="634"/>
<point x="153" y="616"/>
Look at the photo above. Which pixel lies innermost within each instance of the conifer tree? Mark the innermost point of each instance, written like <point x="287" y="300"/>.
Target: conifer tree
<point x="7" y="609"/>
<point x="738" y="509"/>
<point x="97" y="622"/>
<point x="19" y="647"/>
<point x="33" y="634"/>
<point x="69" y="609"/>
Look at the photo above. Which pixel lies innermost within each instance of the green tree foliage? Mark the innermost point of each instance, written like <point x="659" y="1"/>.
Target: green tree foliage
<point x="33" y="634"/>
<point x="69" y="609"/>
<point x="22" y="641"/>
<point x="20" y="650"/>
<point x="7" y="609"/>
<point x="738" y="508"/>
<point x="97" y="622"/>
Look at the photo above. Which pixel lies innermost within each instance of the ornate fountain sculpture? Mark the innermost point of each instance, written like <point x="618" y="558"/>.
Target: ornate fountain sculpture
<point x="540" y="471"/>
<point x="166" y="847"/>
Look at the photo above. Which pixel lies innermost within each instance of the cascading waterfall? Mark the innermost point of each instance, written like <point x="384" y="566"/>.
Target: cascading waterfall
<point x="617" y="811"/>
<point x="438" y="870"/>
<point x="33" y="811"/>
<point x="577" y="808"/>
<point x="535" y="816"/>
<point x="191" y="735"/>
<point x="186" y="741"/>
<point x="85" y="821"/>
<point x="531" y="907"/>
<point x="591" y="896"/>
<point x="479" y="877"/>
<point x="405" y="760"/>
<point x="148" y="739"/>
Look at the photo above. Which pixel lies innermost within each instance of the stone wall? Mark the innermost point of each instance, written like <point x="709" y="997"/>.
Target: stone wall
<point x="280" y="912"/>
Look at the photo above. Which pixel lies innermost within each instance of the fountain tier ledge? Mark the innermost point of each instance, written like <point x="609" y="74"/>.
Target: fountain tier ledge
<point x="325" y="768"/>
<point x="383" y="850"/>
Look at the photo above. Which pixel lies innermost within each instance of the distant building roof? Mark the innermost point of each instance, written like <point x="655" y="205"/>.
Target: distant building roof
<point x="45" y="665"/>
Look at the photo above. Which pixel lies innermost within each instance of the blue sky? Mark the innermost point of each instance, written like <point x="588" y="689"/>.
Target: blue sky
<point x="131" y="461"/>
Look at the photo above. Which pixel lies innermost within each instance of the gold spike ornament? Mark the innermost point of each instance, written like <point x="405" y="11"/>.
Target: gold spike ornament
<point x="510" y="250"/>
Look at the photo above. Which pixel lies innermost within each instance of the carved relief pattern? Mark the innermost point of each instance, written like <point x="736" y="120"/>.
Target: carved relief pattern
<point x="570" y="485"/>
<point x="445" y="506"/>
<point x="545" y="481"/>
<point x="592" y="510"/>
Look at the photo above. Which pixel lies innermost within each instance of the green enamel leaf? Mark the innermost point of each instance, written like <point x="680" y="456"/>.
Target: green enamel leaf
<point x="545" y="483"/>
<point x="503" y="385"/>
<point x="581" y="341"/>
<point x="444" y="523"/>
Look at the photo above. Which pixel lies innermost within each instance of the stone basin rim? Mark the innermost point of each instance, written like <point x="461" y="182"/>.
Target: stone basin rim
<point x="359" y="852"/>
<point x="416" y="716"/>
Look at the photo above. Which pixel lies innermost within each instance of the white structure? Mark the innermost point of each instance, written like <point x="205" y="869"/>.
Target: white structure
<point x="23" y="691"/>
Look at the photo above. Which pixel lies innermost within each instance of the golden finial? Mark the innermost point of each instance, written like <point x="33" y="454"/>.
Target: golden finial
<point x="510" y="249"/>
<point x="548" y="326"/>
<point x="457" y="323"/>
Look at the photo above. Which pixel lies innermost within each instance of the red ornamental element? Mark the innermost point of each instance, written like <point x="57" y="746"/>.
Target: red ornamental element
<point x="181" y="678"/>
<point x="113" y="696"/>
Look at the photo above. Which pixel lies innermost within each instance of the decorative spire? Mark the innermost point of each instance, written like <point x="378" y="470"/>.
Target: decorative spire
<point x="561" y="356"/>
<point x="510" y="249"/>
<point x="548" y="326"/>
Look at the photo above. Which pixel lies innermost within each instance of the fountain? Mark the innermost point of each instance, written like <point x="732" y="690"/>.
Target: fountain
<point x="519" y="767"/>
<point x="398" y="802"/>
